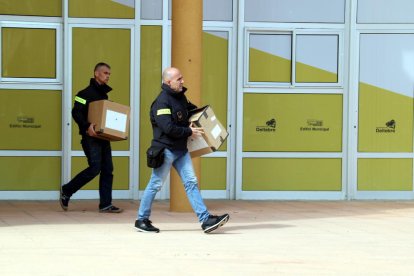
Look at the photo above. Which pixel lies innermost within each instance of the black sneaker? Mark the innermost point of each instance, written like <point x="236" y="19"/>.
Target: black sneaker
<point x="111" y="209"/>
<point x="64" y="201"/>
<point x="214" y="222"/>
<point x="144" y="225"/>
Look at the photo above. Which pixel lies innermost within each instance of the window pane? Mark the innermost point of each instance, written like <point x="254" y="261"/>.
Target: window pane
<point x="30" y="173"/>
<point x="306" y="11"/>
<point x="91" y="46"/>
<point x="218" y="10"/>
<point x="270" y="58"/>
<point x="151" y="9"/>
<point x="214" y="174"/>
<point x="30" y="119"/>
<point x="385" y="11"/>
<point x="213" y="10"/>
<point x="102" y="8"/>
<point x="292" y="174"/>
<point x="32" y="7"/>
<point x="150" y="87"/>
<point x="28" y="53"/>
<point x="317" y="58"/>
<point x="292" y="122"/>
<point x="385" y="174"/>
<point x="386" y="93"/>
<point x="215" y="75"/>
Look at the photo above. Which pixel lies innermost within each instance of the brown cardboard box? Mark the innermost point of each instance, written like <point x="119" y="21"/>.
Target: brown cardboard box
<point x="214" y="132"/>
<point x="111" y="119"/>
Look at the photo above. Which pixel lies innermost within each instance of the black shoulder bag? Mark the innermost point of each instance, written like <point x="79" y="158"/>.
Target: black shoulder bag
<point x="155" y="156"/>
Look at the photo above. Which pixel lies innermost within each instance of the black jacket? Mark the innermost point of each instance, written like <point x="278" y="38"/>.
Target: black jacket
<point x="169" y="118"/>
<point x="94" y="92"/>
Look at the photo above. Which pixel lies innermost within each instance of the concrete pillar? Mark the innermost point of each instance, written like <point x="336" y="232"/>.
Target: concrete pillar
<point x="187" y="30"/>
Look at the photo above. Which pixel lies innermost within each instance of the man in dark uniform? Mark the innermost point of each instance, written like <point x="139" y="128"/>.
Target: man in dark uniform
<point x="169" y="118"/>
<point x="97" y="151"/>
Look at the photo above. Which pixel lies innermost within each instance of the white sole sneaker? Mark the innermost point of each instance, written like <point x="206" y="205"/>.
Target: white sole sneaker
<point x="217" y="225"/>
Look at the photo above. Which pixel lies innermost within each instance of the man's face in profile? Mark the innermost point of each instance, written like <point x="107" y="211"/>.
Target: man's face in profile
<point x="102" y="74"/>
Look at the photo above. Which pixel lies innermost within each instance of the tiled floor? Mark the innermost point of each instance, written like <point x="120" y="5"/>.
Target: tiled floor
<point x="261" y="238"/>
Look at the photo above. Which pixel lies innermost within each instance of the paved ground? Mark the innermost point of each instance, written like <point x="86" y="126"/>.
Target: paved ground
<point x="261" y="238"/>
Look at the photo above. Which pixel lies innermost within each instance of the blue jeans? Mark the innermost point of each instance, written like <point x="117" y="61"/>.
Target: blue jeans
<point x="181" y="161"/>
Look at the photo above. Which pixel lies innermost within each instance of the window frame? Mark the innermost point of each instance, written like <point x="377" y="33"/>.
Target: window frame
<point x="293" y="84"/>
<point x="59" y="52"/>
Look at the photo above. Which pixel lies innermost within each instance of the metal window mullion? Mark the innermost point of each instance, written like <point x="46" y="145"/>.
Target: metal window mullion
<point x="165" y="62"/>
<point x="242" y="63"/>
<point x="59" y="54"/>
<point x="132" y="100"/>
<point x="135" y="104"/>
<point x="353" y="69"/>
<point x="233" y="108"/>
<point x="66" y="97"/>
<point x="293" y="59"/>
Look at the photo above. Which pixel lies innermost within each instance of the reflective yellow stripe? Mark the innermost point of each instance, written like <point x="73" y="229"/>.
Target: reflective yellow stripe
<point x="80" y="100"/>
<point x="163" y="111"/>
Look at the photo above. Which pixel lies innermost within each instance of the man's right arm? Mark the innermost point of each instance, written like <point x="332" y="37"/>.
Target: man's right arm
<point x="78" y="113"/>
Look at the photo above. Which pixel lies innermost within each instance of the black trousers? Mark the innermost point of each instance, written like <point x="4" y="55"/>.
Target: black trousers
<point x="99" y="156"/>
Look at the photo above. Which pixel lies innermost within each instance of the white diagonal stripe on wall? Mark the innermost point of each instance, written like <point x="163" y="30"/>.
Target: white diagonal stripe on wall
<point x="129" y="3"/>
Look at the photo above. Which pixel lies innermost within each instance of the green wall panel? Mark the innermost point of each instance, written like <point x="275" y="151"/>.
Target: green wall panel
<point x="265" y="67"/>
<point x="100" y="9"/>
<point x="292" y="122"/>
<point x="121" y="173"/>
<point x="385" y="174"/>
<point x="28" y="53"/>
<point x="215" y="77"/>
<point x="385" y="120"/>
<point x="31" y="7"/>
<point x="91" y="46"/>
<point x="30" y="119"/>
<point x="306" y="73"/>
<point x="150" y="87"/>
<point x="30" y="173"/>
<point x="213" y="174"/>
<point x="291" y="174"/>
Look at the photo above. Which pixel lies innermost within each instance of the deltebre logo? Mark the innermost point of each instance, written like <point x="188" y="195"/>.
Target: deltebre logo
<point x="390" y="127"/>
<point x="269" y="127"/>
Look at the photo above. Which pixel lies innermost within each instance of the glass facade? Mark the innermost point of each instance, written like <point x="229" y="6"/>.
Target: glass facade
<point x="317" y="106"/>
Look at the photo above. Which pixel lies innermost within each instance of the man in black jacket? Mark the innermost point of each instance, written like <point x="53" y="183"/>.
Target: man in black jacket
<point x="169" y="118"/>
<point x="97" y="151"/>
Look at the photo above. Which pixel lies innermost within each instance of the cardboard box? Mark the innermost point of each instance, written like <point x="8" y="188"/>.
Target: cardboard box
<point x="111" y="119"/>
<point x="214" y="132"/>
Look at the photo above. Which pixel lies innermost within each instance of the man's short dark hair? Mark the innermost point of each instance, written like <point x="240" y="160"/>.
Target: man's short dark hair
<point x="101" y="64"/>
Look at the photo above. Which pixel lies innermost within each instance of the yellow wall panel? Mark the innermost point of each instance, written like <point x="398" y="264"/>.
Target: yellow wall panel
<point x="215" y="75"/>
<point x="28" y="53"/>
<point x="306" y="73"/>
<point x="213" y="174"/>
<point x="30" y="119"/>
<point x="385" y="174"/>
<point x="292" y="122"/>
<point x="151" y="58"/>
<point x="291" y="174"/>
<point x="385" y="120"/>
<point x="91" y="46"/>
<point x="265" y="67"/>
<point x="30" y="173"/>
<point x="100" y="9"/>
<point x="31" y="7"/>
<point x="121" y="173"/>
